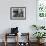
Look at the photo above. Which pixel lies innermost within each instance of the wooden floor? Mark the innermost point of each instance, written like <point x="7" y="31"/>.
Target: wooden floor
<point x="13" y="44"/>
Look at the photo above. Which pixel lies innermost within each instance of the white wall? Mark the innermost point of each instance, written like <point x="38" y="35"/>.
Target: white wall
<point x="24" y="25"/>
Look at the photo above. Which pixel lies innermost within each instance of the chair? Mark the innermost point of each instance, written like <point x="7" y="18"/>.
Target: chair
<point x="26" y="41"/>
<point x="14" y="32"/>
<point x="7" y="35"/>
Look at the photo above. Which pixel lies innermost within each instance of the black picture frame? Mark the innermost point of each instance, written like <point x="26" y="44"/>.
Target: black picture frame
<point x="18" y="13"/>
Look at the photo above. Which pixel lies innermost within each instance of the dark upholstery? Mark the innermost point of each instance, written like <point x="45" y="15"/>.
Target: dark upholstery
<point x="14" y="30"/>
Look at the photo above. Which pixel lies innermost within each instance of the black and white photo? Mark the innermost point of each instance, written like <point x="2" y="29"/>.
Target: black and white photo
<point x="17" y="13"/>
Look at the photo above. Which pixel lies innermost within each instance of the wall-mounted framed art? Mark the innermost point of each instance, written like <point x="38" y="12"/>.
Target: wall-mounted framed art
<point x="41" y="12"/>
<point x="41" y="8"/>
<point x="18" y="13"/>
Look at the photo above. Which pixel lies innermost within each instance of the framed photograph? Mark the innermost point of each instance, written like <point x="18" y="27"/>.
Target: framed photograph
<point x="41" y="12"/>
<point x="18" y="13"/>
<point x="41" y="9"/>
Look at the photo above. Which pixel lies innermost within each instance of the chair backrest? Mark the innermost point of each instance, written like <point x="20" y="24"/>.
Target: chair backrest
<point x="14" y="30"/>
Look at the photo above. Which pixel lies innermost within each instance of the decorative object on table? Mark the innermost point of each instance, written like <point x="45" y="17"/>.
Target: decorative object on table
<point x="18" y="13"/>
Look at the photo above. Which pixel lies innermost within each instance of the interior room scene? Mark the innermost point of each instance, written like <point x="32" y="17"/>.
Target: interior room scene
<point x="22" y="22"/>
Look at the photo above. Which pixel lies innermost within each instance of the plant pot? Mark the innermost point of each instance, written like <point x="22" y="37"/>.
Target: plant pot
<point x="40" y="40"/>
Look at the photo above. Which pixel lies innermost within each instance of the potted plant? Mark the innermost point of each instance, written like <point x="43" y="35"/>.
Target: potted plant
<point x="39" y="35"/>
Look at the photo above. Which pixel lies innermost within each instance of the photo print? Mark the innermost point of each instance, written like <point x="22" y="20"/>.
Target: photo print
<point x="17" y="13"/>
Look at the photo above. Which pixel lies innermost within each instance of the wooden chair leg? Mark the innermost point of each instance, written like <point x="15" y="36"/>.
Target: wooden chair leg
<point x="5" y="39"/>
<point x="5" y="43"/>
<point x="17" y="39"/>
